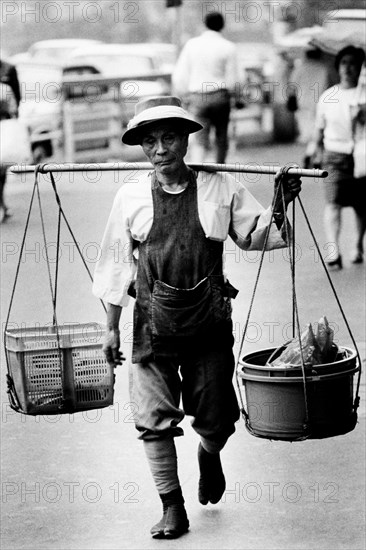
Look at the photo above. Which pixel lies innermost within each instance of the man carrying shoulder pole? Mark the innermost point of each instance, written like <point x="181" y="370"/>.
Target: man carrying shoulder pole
<point x="170" y="228"/>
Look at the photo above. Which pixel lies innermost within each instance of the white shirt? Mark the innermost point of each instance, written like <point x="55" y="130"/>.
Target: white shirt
<point x="207" y="63"/>
<point x="334" y="117"/>
<point x="225" y="207"/>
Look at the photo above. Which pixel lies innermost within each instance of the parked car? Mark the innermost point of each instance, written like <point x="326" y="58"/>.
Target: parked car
<point x="133" y="61"/>
<point x="40" y="107"/>
<point x="58" y="49"/>
<point x="129" y="59"/>
<point x="42" y="80"/>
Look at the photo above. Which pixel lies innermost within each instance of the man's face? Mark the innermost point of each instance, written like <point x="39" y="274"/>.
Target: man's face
<point x="348" y="69"/>
<point x="165" y="147"/>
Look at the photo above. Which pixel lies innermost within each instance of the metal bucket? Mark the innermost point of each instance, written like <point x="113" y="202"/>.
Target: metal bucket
<point x="278" y="407"/>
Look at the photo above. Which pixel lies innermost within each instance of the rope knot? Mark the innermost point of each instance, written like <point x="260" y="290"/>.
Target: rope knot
<point x="40" y="169"/>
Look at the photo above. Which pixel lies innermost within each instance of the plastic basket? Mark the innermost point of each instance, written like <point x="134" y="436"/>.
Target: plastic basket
<point x="59" y="371"/>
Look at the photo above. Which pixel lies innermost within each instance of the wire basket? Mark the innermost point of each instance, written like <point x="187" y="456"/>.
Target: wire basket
<point x="55" y="370"/>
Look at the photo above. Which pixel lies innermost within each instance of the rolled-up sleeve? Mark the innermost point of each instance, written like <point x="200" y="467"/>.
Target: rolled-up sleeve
<point x="250" y="221"/>
<point x="115" y="268"/>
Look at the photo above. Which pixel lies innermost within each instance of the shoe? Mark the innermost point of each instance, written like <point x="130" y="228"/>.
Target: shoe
<point x="157" y="530"/>
<point x="337" y="263"/>
<point x="212" y="484"/>
<point x="176" y="521"/>
<point x="358" y="258"/>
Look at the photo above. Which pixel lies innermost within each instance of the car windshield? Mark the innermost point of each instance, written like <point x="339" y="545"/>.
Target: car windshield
<point x="56" y="53"/>
<point x="57" y="50"/>
<point x="120" y="65"/>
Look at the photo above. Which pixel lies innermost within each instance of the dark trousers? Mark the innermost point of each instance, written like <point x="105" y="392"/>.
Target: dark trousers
<point x="213" y="111"/>
<point x="202" y="376"/>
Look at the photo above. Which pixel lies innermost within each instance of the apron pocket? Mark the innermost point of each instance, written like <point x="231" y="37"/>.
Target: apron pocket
<point x="177" y="312"/>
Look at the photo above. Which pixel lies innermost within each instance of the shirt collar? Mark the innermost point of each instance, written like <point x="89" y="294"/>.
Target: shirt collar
<point x="209" y="32"/>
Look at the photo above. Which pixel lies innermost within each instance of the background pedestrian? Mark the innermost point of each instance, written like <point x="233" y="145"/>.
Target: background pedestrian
<point x="9" y="104"/>
<point x="332" y="148"/>
<point x="206" y="78"/>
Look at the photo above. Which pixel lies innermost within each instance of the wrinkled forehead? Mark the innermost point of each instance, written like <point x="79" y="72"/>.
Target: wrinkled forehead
<point x="160" y="128"/>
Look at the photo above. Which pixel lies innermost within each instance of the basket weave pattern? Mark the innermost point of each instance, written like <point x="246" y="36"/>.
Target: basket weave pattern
<point x="59" y="369"/>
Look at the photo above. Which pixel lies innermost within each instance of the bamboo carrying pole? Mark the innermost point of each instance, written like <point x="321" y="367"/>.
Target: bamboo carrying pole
<point x="207" y="166"/>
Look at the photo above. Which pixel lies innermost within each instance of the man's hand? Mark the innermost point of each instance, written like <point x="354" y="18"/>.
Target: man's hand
<point x="111" y="347"/>
<point x="291" y="188"/>
<point x="316" y="159"/>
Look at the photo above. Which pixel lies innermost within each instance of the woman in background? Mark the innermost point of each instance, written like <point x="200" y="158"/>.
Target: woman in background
<point x="332" y="148"/>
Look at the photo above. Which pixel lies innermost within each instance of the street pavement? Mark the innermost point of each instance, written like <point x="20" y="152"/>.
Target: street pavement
<point x="81" y="481"/>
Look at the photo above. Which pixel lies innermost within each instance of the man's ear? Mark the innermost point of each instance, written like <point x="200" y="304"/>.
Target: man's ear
<point x="185" y="142"/>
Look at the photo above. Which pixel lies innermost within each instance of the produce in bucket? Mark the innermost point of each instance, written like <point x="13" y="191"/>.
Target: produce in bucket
<point x="315" y="349"/>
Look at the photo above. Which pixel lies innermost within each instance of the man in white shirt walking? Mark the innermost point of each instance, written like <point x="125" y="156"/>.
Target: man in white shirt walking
<point x="206" y="77"/>
<point x="163" y="244"/>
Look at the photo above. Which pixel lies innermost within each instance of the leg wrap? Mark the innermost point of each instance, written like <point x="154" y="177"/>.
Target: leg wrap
<point x="162" y="458"/>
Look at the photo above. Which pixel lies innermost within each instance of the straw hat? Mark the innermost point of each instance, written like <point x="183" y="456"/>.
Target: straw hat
<point x="153" y="109"/>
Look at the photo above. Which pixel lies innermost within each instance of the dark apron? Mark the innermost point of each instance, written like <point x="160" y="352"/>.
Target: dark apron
<point x="180" y="293"/>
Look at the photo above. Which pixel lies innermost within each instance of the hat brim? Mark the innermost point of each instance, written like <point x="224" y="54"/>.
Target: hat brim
<point x="134" y="136"/>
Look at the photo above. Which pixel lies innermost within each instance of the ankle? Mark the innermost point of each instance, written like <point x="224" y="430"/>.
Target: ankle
<point x="173" y="497"/>
<point x="206" y="456"/>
